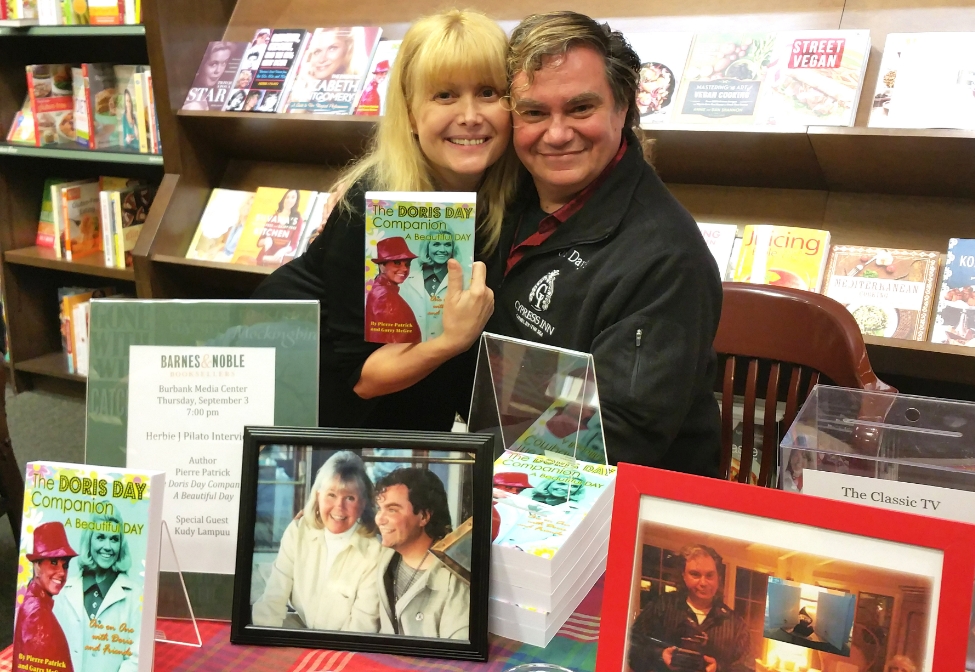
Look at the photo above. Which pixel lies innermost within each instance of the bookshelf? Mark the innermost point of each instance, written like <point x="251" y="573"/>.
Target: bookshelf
<point x="31" y="276"/>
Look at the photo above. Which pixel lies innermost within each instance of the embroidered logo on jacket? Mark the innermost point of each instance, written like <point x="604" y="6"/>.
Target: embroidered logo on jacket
<point x="540" y="298"/>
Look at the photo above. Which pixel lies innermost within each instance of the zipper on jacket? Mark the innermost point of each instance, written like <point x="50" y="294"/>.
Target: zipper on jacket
<point x="634" y="377"/>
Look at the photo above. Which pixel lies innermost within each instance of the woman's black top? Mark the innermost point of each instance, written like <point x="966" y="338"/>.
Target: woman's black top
<point x="332" y="271"/>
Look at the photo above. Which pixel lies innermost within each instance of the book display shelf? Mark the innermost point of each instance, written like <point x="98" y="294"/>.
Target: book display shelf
<point x="911" y="189"/>
<point x="32" y="275"/>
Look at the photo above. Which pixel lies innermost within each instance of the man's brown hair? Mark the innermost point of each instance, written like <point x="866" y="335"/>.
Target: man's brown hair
<point x="554" y="33"/>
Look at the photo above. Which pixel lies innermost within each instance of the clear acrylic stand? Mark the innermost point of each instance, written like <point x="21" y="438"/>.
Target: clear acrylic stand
<point x="537" y="399"/>
<point x="173" y="603"/>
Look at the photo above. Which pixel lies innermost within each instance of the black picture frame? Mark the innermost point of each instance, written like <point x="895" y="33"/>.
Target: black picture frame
<point x="479" y="446"/>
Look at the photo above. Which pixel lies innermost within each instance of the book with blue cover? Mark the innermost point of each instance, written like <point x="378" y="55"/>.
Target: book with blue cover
<point x="88" y="572"/>
<point x="954" y="320"/>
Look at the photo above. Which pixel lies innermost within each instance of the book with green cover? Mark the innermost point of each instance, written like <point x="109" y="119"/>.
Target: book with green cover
<point x="410" y="237"/>
<point x="89" y="564"/>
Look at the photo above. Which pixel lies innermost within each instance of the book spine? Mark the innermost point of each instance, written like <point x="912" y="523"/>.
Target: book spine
<point x="33" y="100"/>
<point x="56" y="218"/>
<point x="106" y="212"/>
<point x="84" y="109"/>
<point x="66" y="225"/>
<point x="49" y="13"/>
<point x="153" y="118"/>
<point x="117" y="242"/>
<point x="141" y="112"/>
<point x="66" y="333"/>
<point x="79" y="323"/>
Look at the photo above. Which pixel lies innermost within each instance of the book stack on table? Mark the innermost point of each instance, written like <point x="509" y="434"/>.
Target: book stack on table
<point x="551" y="539"/>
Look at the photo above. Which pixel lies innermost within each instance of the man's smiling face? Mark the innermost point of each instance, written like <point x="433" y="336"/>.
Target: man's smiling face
<point x="566" y="125"/>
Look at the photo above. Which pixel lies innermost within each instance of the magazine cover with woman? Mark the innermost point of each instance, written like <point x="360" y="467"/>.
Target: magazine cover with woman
<point x="410" y="237"/>
<point x="88" y="569"/>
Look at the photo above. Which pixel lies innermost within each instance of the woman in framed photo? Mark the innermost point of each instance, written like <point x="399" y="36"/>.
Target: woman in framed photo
<point x="326" y="564"/>
<point x="100" y="592"/>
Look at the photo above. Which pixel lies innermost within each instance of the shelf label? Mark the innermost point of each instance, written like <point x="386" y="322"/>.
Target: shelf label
<point x="927" y="500"/>
<point x="8" y="150"/>
<point x="187" y="410"/>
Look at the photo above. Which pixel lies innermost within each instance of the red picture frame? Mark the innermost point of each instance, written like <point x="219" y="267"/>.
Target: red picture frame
<point x="955" y="540"/>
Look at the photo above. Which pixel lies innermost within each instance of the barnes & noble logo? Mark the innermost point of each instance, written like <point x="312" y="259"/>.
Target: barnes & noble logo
<point x="202" y="361"/>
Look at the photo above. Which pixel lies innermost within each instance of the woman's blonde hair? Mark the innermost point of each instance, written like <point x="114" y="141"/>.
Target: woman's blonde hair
<point x="455" y="44"/>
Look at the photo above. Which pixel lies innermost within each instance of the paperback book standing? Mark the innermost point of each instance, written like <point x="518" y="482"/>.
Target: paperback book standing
<point x="954" y="321"/>
<point x="215" y="78"/>
<point x="332" y="70"/>
<point x="87" y="526"/>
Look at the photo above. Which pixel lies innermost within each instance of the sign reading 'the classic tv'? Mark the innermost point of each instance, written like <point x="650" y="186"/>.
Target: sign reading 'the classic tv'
<point x="187" y="411"/>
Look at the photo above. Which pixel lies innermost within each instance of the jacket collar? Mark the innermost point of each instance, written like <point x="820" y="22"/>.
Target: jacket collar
<point x="433" y="579"/>
<point x="598" y="218"/>
<point x="74" y="592"/>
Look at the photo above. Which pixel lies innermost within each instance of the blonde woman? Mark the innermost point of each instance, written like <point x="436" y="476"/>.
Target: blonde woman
<point x="326" y="564"/>
<point x="445" y="129"/>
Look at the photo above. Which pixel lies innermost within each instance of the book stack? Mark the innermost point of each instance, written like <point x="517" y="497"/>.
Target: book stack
<point x="551" y="540"/>
<point x="268" y="227"/>
<point x="102" y="214"/>
<point x="95" y="105"/>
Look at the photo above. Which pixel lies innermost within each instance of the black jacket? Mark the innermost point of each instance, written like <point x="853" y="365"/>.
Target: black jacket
<point x="629" y="279"/>
<point x="331" y="271"/>
<point x="670" y="620"/>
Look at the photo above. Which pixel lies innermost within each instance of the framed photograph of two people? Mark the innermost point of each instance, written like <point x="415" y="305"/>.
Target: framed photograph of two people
<point x="707" y="575"/>
<point x="365" y="540"/>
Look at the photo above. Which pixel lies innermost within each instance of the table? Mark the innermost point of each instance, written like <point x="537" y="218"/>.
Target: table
<point x="573" y="647"/>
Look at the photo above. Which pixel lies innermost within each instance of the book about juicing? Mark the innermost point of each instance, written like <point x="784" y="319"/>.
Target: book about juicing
<point x="410" y="237"/>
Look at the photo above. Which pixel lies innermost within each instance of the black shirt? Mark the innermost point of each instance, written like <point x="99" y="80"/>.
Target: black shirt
<point x="331" y="271"/>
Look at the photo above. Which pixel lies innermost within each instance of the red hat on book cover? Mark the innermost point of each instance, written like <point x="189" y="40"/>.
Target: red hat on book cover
<point x="392" y="249"/>
<point x="512" y="479"/>
<point x="382" y="67"/>
<point x="51" y="541"/>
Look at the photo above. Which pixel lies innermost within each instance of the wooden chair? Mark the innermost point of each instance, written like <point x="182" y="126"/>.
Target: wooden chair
<point x="11" y="477"/>
<point x="782" y="332"/>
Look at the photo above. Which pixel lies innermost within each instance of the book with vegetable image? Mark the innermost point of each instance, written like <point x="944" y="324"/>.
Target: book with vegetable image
<point x="888" y="292"/>
<point x="954" y="319"/>
<point x="51" y="103"/>
<point x="662" y="60"/>
<point x="723" y="78"/>
<point x="786" y="256"/>
<point x="814" y="78"/>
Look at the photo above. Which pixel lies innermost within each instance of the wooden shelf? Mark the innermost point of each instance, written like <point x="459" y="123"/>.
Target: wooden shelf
<point x="214" y="265"/>
<point x="52" y="364"/>
<point x="81" y="154"/>
<point x="918" y="359"/>
<point x="740" y="156"/>
<point x="289" y="138"/>
<point x="92" y="264"/>
<point x="931" y="162"/>
<point x="72" y="31"/>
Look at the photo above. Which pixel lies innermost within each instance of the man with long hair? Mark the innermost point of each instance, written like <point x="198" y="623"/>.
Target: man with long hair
<point x="418" y="595"/>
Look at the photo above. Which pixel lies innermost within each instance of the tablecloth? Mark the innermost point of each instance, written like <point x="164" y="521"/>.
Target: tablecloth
<point x="573" y="647"/>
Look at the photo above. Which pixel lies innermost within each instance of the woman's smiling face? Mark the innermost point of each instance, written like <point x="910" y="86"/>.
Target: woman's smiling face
<point x="340" y="505"/>
<point x="440" y="251"/>
<point x="105" y="547"/>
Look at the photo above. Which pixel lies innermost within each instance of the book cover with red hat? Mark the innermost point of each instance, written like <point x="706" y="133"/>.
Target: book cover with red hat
<point x="372" y="97"/>
<point x="410" y="237"/>
<point x="88" y="569"/>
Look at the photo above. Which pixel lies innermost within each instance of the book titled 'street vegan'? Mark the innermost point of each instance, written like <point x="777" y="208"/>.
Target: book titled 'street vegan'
<point x="88" y="571"/>
<point x="410" y="237"/>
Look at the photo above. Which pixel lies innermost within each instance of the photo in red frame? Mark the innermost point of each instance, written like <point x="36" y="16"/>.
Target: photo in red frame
<point x="691" y="562"/>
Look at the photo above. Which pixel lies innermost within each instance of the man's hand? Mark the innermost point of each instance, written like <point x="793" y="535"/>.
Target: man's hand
<point x="668" y="657"/>
<point x="465" y="311"/>
<point x="712" y="664"/>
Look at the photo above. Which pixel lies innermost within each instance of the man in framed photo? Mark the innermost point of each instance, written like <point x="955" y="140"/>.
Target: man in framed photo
<point x="418" y="595"/>
<point x="691" y="628"/>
